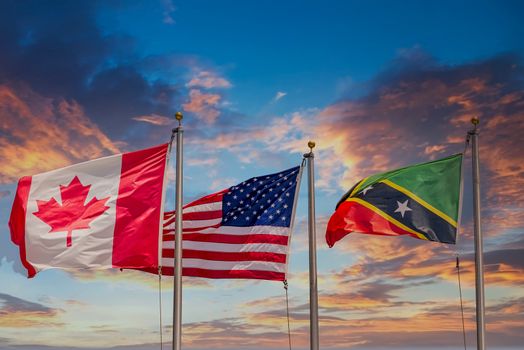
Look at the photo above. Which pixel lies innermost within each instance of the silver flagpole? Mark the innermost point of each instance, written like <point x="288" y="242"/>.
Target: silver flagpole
<point x="479" y="264"/>
<point x="313" y="290"/>
<point x="177" y="291"/>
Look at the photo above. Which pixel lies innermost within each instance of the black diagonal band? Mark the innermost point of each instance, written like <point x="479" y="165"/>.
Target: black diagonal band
<point x="419" y="218"/>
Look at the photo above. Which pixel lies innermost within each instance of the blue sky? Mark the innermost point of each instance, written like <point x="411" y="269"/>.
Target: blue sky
<point x="310" y="48"/>
<point x="376" y="84"/>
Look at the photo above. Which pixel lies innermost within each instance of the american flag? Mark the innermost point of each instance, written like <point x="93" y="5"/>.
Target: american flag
<point x="240" y="232"/>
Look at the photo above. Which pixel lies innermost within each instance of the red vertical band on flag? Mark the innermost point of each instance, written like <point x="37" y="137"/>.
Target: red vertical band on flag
<point x="17" y="221"/>
<point x="138" y="208"/>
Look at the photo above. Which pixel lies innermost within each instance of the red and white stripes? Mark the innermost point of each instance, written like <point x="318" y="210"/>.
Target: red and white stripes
<point x="213" y="250"/>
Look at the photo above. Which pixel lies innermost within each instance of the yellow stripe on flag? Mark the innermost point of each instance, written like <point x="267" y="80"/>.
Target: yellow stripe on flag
<point x="357" y="187"/>
<point x="421" y="202"/>
<point x="387" y="217"/>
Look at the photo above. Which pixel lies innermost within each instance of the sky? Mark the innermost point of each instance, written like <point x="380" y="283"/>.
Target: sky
<point x="376" y="84"/>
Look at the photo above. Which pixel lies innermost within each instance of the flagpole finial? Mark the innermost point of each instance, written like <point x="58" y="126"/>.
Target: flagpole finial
<point x="311" y="145"/>
<point x="179" y="116"/>
<point x="475" y="121"/>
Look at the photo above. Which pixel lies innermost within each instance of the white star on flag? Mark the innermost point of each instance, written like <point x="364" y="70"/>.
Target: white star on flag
<point x="365" y="190"/>
<point x="223" y="237"/>
<point x="402" y="208"/>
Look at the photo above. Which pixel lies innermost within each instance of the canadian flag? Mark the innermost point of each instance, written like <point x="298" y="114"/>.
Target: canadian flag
<point x="98" y="214"/>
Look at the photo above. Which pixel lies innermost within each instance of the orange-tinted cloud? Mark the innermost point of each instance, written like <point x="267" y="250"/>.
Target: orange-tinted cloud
<point x="203" y="105"/>
<point x="421" y="112"/>
<point x="409" y="115"/>
<point x="265" y="144"/>
<point x="143" y="278"/>
<point x="20" y="313"/>
<point x="208" y="80"/>
<point x="38" y="133"/>
<point x="155" y="119"/>
<point x="231" y="333"/>
<point x="405" y="259"/>
<point x="436" y="323"/>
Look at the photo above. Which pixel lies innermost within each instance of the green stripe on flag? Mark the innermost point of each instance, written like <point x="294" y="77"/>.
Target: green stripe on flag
<point x="437" y="183"/>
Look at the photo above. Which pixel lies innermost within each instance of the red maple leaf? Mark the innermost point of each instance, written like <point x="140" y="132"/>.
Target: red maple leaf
<point x="72" y="214"/>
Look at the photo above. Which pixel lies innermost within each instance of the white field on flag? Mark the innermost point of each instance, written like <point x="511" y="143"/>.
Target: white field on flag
<point x="241" y="232"/>
<point x="103" y="178"/>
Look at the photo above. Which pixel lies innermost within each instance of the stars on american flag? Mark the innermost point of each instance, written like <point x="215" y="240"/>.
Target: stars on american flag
<point x="264" y="200"/>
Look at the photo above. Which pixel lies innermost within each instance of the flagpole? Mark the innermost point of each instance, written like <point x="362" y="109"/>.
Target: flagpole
<point x="479" y="252"/>
<point x="313" y="290"/>
<point x="177" y="291"/>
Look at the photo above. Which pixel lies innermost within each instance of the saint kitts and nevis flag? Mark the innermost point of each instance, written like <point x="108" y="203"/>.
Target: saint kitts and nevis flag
<point x="421" y="201"/>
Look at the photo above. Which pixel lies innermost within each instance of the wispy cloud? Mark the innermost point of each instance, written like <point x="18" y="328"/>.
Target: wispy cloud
<point x="19" y="313"/>
<point x="208" y="80"/>
<point x="82" y="73"/>
<point x="435" y="323"/>
<point x="222" y="183"/>
<point x="204" y="105"/>
<point x="169" y="9"/>
<point x="201" y="162"/>
<point x="142" y="278"/>
<point x="155" y="119"/>
<point x="279" y="95"/>
<point x="411" y="113"/>
<point x="35" y="129"/>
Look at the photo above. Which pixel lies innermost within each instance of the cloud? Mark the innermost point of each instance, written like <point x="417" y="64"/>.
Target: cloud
<point x="222" y="183"/>
<point x="422" y="110"/>
<point x="201" y="162"/>
<point x="375" y="314"/>
<point x="155" y="119"/>
<point x="203" y="105"/>
<point x="371" y="298"/>
<point x="223" y="334"/>
<point x="405" y="259"/>
<point x="43" y="54"/>
<point x="135" y="276"/>
<point x="208" y="80"/>
<point x="117" y="94"/>
<point x="279" y="95"/>
<point x="169" y="9"/>
<point x="74" y="302"/>
<point x="19" y="313"/>
<point x="414" y="111"/>
<point x="435" y="323"/>
<point x="99" y="70"/>
<point x="103" y="72"/>
<point x="257" y="143"/>
<point x="38" y="133"/>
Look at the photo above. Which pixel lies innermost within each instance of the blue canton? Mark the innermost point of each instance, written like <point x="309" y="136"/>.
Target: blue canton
<point x="263" y="200"/>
